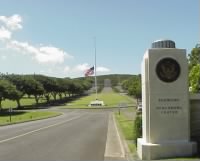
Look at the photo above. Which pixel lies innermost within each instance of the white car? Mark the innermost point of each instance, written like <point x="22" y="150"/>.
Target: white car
<point x="139" y="107"/>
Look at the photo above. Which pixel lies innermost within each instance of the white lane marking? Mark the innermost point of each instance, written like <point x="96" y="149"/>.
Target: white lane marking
<point x="43" y="128"/>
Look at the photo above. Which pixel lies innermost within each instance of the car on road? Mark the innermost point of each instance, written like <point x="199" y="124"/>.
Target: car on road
<point x="139" y="108"/>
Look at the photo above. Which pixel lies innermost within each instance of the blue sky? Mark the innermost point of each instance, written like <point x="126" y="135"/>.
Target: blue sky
<point x="56" y="37"/>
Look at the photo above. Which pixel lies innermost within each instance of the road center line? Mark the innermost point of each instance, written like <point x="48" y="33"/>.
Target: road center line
<point x="43" y="128"/>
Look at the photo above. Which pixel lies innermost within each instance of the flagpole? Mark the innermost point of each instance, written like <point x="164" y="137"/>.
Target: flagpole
<point x="95" y="76"/>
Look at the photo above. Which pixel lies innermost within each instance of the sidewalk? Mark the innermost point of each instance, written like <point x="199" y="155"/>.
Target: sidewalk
<point x="114" y="146"/>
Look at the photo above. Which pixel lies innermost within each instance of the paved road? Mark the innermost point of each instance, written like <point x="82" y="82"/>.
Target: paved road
<point x="76" y="135"/>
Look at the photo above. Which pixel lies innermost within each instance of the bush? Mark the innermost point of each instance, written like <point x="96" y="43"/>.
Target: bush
<point x="137" y="128"/>
<point x="115" y="89"/>
<point x="100" y="87"/>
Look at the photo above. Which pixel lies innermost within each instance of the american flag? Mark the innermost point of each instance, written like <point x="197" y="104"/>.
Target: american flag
<point x="89" y="71"/>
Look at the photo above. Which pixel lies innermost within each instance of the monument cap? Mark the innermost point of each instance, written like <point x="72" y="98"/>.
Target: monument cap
<point x="163" y="44"/>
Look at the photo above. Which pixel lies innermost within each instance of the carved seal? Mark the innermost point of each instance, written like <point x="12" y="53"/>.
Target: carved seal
<point x="168" y="70"/>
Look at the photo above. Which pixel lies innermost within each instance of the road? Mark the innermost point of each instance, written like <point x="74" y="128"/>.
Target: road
<point x="75" y="135"/>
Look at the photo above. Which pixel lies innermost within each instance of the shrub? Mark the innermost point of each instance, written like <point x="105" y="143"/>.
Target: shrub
<point x="137" y="128"/>
<point x="115" y="89"/>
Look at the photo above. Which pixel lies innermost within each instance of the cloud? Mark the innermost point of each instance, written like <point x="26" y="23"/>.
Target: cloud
<point x="4" y="33"/>
<point x="12" y="22"/>
<point x="3" y="57"/>
<point x="49" y="54"/>
<point x="42" y="54"/>
<point x="66" y="69"/>
<point x="103" y="69"/>
<point x="85" y="66"/>
<point x="82" y="67"/>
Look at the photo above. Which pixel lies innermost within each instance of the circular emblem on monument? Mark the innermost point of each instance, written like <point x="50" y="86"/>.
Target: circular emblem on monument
<point x="168" y="70"/>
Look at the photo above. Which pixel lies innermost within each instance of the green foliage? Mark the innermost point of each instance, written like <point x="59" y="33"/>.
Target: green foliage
<point x="14" y="87"/>
<point x="133" y="86"/>
<point x="9" y="91"/>
<point x="137" y="128"/>
<point x="194" y="78"/>
<point x="194" y="58"/>
<point x="126" y="126"/>
<point x="114" y="78"/>
<point x="110" y="99"/>
<point x="115" y="89"/>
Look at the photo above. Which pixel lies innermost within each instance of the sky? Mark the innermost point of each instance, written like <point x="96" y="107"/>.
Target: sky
<point x="57" y="37"/>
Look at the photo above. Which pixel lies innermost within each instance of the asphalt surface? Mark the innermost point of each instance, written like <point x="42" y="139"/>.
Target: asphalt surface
<point x="75" y="135"/>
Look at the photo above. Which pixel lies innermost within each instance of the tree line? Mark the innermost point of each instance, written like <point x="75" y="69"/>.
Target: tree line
<point x="194" y="69"/>
<point x="133" y="86"/>
<point x="15" y="87"/>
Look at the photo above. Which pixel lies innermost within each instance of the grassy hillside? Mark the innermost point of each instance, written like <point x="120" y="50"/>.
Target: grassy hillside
<point x="115" y="78"/>
<point x="111" y="99"/>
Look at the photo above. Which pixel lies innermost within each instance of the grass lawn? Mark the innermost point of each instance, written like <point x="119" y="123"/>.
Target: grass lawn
<point x="110" y="99"/>
<point x="24" y="116"/>
<point x="25" y="101"/>
<point x="126" y="126"/>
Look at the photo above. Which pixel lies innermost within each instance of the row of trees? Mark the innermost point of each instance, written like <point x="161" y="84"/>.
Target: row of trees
<point x="14" y="87"/>
<point x="194" y="69"/>
<point x="133" y="86"/>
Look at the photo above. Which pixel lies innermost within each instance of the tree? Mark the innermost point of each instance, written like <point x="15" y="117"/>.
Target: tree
<point x="3" y="86"/>
<point x="33" y="87"/>
<point x="194" y="78"/>
<point x="13" y="94"/>
<point x="9" y="91"/>
<point x="125" y="84"/>
<point x="71" y="88"/>
<point x="194" y="57"/>
<point x="46" y="83"/>
<point x="133" y="86"/>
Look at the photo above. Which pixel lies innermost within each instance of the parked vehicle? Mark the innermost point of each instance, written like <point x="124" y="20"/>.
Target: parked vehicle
<point x="139" y="108"/>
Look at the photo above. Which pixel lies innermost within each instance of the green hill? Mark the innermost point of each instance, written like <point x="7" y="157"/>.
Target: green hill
<point x="115" y="78"/>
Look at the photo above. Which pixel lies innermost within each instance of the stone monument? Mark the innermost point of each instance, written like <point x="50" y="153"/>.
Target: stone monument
<point x="165" y="103"/>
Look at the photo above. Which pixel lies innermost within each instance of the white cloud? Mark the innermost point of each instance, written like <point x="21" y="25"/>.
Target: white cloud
<point x="48" y="54"/>
<point x="12" y="22"/>
<point x="85" y="66"/>
<point x="66" y="69"/>
<point x="3" y="57"/>
<point x="42" y="54"/>
<point x="103" y="69"/>
<point x="82" y="67"/>
<point x="4" y="33"/>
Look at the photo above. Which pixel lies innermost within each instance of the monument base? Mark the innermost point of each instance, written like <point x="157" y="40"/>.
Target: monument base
<point x="96" y="103"/>
<point x="148" y="151"/>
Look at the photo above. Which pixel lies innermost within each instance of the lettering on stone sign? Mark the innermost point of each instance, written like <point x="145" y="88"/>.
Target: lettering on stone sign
<point x="168" y="108"/>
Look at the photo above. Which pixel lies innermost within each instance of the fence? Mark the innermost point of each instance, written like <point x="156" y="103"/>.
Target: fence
<point x="195" y="118"/>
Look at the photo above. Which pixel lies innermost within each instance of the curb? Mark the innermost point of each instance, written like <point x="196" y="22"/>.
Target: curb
<point x="124" y="143"/>
<point x="128" y="155"/>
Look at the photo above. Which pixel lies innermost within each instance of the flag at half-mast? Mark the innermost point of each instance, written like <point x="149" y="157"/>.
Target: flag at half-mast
<point x="89" y="72"/>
